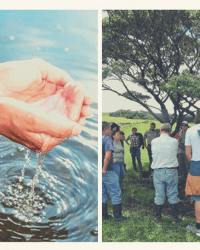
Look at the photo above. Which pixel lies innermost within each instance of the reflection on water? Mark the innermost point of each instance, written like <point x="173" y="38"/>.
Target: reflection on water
<point x="64" y="204"/>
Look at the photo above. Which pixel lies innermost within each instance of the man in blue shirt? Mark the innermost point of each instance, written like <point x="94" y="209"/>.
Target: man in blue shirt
<point x="110" y="180"/>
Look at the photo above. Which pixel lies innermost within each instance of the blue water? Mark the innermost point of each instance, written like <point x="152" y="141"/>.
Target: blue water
<point x="66" y="196"/>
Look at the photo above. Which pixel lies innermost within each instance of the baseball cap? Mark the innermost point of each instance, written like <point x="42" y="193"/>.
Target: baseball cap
<point x="184" y="122"/>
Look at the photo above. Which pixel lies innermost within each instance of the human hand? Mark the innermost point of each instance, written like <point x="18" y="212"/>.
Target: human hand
<point x="52" y="91"/>
<point x="32" y="127"/>
<point x="69" y="102"/>
<point x="31" y="80"/>
<point x="104" y="171"/>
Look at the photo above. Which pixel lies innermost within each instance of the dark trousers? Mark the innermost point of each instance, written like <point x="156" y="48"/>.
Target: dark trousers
<point x="184" y="166"/>
<point x="150" y="155"/>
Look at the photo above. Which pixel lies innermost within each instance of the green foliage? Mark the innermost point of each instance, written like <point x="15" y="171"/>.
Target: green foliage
<point x="185" y="84"/>
<point x="132" y="114"/>
<point x="151" y="48"/>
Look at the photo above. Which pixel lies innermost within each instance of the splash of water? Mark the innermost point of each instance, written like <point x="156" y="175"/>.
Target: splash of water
<point x="28" y="161"/>
<point x="22" y="197"/>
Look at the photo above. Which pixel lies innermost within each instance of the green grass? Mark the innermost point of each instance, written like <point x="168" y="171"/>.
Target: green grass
<point x="138" y="203"/>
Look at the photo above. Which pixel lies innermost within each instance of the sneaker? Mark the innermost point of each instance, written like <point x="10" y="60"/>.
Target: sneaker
<point x="193" y="230"/>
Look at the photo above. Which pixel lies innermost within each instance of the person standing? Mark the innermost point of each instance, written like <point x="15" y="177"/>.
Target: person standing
<point x="149" y="135"/>
<point x="110" y="181"/>
<point x="182" y="159"/>
<point x="192" y="189"/>
<point x="118" y="157"/>
<point x="136" y="142"/>
<point x="165" y="164"/>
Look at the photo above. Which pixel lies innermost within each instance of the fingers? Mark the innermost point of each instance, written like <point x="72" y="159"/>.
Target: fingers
<point x="86" y="111"/>
<point x="53" y="124"/>
<point x="29" y="126"/>
<point x="82" y="121"/>
<point x="52" y="73"/>
<point x="73" y="94"/>
<point x="88" y="100"/>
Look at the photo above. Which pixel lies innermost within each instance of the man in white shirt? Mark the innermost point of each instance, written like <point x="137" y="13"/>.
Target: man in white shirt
<point x="192" y="150"/>
<point x="165" y="163"/>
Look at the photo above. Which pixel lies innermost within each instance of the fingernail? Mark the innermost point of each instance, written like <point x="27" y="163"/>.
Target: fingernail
<point x="76" y="130"/>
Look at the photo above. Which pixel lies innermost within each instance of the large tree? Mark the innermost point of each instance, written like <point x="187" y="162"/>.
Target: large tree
<point x="159" y="50"/>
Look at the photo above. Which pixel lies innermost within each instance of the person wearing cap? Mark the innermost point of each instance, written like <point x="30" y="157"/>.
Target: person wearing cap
<point x="136" y="140"/>
<point x="182" y="159"/>
<point x="165" y="164"/>
<point x="149" y="135"/>
<point x="110" y="180"/>
<point x="192" y="189"/>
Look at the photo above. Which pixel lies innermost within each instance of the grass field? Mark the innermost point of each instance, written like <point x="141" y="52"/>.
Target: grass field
<point x="138" y="200"/>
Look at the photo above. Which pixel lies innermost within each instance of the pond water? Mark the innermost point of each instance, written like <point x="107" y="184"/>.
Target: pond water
<point x="63" y="206"/>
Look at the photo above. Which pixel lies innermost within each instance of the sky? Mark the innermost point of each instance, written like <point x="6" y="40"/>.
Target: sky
<point x="112" y="102"/>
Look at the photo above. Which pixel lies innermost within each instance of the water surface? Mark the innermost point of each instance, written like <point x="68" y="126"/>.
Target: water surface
<point x="64" y="207"/>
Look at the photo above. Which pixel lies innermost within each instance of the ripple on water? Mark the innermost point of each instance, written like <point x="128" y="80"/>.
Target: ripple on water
<point x="64" y="204"/>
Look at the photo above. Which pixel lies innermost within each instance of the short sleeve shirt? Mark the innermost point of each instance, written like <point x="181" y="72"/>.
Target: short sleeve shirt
<point x="151" y="135"/>
<point x="107" y="145"/>
<point x="135" y="141"/>
<point x="192" y="138"/>
<point x="164" y="152"/>
<point x="118" y="151"/>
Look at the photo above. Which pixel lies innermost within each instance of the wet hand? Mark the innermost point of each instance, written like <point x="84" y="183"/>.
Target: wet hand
<point x="31" y="80"/>
<point x="70" y="102"/>
<point x="28" y="125"/>
<point x="52" y="91"/>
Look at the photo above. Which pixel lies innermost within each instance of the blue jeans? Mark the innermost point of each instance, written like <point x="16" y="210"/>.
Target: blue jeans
<point x="119" y="170"/>
<point x="110" y="183"/>
<point x="135" y="152"/>
<point x="195" y="171"/>
<point x="166" y="178"/>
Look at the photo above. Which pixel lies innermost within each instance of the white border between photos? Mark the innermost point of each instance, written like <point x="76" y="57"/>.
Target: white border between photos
<point x="96" y="5"/>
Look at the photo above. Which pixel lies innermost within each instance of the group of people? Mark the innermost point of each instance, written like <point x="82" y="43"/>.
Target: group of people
<point x="173" y="160"/>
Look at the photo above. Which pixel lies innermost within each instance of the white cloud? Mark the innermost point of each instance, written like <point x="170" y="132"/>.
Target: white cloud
<point x="66" y="49"/>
